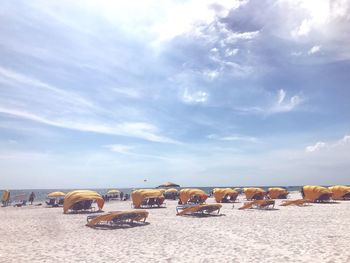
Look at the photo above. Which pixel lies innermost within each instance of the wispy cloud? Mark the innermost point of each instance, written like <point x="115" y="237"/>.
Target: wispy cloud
<point x="233" y="137"/>
<point x="119" y="148"/>
<point x="130" y="129"/>
<point x="314" y="50"/>
<point x="280" y="104"/>
<point x="195" y="97"/>
<point x="284" y="105"/>
<point x="319" y="146"/>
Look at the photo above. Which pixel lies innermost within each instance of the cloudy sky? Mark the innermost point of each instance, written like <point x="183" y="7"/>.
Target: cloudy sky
<point x="199" y="92"/>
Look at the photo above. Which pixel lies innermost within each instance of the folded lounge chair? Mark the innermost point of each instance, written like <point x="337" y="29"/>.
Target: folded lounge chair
<point x="259" y="204"/>
<point x="118" y="218"/>
<point x="198" y="209"/>
<point x="298" y="202"/>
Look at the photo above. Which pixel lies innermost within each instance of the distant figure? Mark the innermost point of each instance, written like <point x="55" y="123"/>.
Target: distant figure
<point x="31" y="198"/>
<point x="302" y="192"/>
<point x="121" y="195"/>
<point x="126" y="197"/>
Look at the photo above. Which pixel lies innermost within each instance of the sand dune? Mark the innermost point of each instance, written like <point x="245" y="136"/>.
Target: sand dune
<point x="316" y="233"/>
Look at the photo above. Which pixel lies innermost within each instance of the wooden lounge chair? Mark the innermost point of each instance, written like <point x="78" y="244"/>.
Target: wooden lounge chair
<point x="199" y="209"/>
<point x="298" y="202"/>
<point x="118" y="218"/>
<point x="259" y="204"/>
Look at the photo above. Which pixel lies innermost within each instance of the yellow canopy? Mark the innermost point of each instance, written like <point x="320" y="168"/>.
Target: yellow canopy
<point x="56" y="194"/>
<point x="5" y="196"/>
<point x="81" y="195"/>
<point x="171" y="190"/>
<point x="313" y="193"/>
<point x="277" y="192"/>
<point x="187" y="194"/>
<point x="113" y="191"/>
<point x="139" y="195"/>
<point x="339" y="191"/>
<point x="220" y="193"/>
<point x="252" y="191"/>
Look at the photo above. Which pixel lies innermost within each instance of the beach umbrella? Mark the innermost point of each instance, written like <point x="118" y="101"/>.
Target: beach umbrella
<point x="113" y="191"/>
<point x="168" y="184"/>
<point x="56" y="194"/>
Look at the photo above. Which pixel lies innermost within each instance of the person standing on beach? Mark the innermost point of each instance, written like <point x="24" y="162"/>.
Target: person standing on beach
<point x="121" y="196"/>
<point x="31" y="198"/>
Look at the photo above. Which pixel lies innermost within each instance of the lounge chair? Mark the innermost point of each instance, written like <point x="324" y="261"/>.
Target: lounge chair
<point x="259" y="204"/>
<point x="82" y="206"/>
<point x="118" y="218"/>
<point x="298" y="202"/>
<point x="51" y="202"/>
<point x="153" y="202"/>
<point x="198" y="209"/>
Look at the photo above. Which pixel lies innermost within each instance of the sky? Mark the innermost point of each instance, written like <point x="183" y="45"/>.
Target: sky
<point x="99" y="93"/>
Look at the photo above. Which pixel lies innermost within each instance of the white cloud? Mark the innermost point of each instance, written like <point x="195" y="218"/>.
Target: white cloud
<point x="195" y="97"/>
<point x="313" y="148"/>
<point x="285" y="106"/>
<point x="345" y="141"/>
<point x="119" y="148"/>
<point x="233" y="137"/>
<point x="131" y="129"/>
<point x="314" y="49"/>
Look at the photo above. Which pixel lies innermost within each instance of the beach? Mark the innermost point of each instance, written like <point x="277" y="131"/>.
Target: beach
<point x="315" y="233"/>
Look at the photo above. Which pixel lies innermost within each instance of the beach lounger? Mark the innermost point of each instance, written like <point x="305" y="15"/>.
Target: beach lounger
<point x="51" y="202"/>
<point x="153" y="202"/>
<point x="199" y="209"/>
<point x="298" y="202"/>
<point x="82" y="206"/>
<point x="259" y="204"/>
<point x="118" y="218"/>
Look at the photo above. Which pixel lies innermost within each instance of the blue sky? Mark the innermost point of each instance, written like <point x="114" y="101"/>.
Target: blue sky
<point x="109" y="93"/>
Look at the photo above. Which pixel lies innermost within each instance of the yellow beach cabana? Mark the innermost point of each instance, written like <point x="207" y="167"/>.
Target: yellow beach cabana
<point x="81" y="200"/>
<point x="316" y="193"/>
<point x="253" y="193"/>
<point x="171" y="193"/>
<point x="225" y="195"/>
<point x="5" y="198"/>
<point x="277" y="193"/>
<point x="147" y="198"/>
<point x="191" y="195"/>
<point x="340" y="192"/>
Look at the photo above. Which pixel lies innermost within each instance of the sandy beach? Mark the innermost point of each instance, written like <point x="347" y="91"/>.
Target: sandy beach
<point x="316" y="233"/>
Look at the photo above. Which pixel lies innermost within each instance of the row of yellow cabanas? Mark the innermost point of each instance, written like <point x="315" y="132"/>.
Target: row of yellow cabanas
<point x="255" y="193"/>
<point x="316" y="193"/>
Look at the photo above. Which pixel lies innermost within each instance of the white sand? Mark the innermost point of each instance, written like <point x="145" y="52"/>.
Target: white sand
<point x="317" y="233"/>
